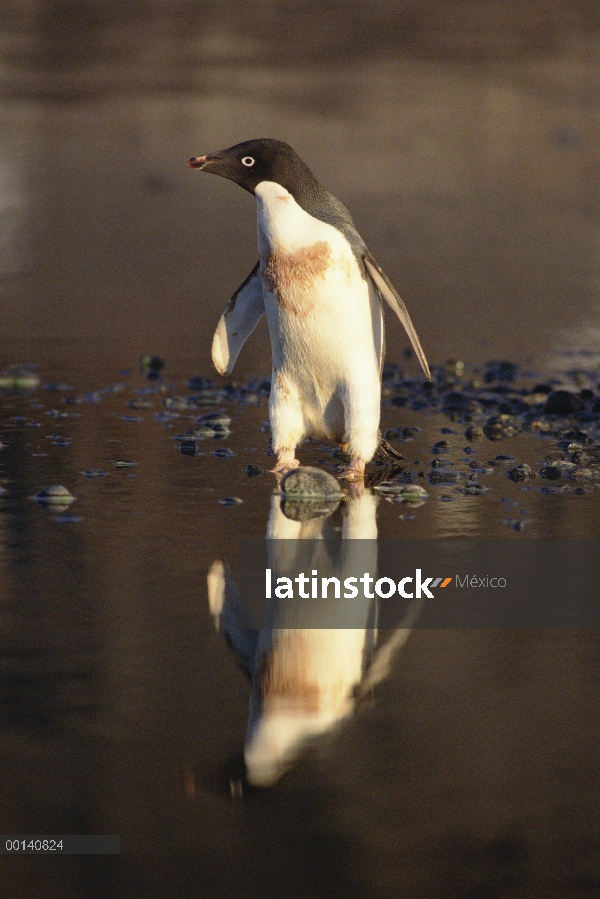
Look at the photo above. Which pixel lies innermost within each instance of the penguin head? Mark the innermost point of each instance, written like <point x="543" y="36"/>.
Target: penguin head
<point x="254" y="161"/>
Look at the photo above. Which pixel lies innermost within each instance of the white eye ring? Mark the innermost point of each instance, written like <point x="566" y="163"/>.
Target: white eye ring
<point x="248" y="161"/>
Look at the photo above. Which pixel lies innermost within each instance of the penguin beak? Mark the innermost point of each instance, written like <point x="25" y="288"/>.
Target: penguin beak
<point x="219" y="164"/>
<point x="197" y="162"/>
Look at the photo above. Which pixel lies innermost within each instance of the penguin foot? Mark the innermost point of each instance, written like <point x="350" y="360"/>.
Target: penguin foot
<point x="285" y="462"/>
<point x="355" y="471"/>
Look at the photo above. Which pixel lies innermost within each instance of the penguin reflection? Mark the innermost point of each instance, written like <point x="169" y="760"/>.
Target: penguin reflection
<point x="306" y="673"/>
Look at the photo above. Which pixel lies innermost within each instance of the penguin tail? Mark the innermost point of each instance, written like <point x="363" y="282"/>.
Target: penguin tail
<point x="392" y="464"/>
<point x="386" y="453"/>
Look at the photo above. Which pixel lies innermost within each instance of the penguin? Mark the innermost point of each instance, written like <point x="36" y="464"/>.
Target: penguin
<point x="321" y="291"/>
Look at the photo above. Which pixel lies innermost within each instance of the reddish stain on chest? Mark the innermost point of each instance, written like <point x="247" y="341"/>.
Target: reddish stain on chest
<point x="292" y="276"/>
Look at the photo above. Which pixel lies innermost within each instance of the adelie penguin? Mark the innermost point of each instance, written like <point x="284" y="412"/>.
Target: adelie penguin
<point x="321" y="291"/>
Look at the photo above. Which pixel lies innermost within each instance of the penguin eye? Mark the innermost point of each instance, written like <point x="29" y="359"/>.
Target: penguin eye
<point x="248" y="161"/>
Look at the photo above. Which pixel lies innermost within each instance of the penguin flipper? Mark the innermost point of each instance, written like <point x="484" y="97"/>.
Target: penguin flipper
<point x="388" y="292"/>
<point x="240" y="317"/>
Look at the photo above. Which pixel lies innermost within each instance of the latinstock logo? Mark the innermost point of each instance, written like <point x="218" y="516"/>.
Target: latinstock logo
<point x="329" y="583"/>
<point x="384" y="587"/>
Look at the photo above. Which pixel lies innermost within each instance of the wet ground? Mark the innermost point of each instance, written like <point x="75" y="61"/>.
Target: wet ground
<point x="462" y="138"/>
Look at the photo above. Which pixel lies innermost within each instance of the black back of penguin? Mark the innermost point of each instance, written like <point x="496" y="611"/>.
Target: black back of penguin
<point x="266" y="159"/>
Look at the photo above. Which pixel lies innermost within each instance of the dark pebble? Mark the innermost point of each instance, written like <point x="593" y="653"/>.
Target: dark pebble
<point x="188" y="447"/>
<point x="562" y="402"/>
<point x="253" y="470"/>
<point x="481" y="467"/>
<point x="125" y="463"/>
<point x="520" y="473"/>
<point x="500" y="426"/>
<point x="555" y="457"/>
<point x="578" y="435"/>
<point x="231" y="501"/>
<point x="580" y="458"/>
<point x="440" y="447"/>
<point x="94" y="473"/>
<point x="223" y="452"/>
<point x="550" y="472"/>
<point x="475" y="489"/>
<point x="151" y="363"/>
<point x="583" y="474"/>
<point x="441" y="463"/>
<point x="570" y="446"/>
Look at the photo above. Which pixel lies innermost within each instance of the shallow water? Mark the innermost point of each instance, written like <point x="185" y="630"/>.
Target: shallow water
<point x="462" y="140"/>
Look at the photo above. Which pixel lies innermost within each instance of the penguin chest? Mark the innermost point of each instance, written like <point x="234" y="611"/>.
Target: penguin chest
<point x="319" y="314"/>
<point x="309" y="280"/>
<point x="318" y="303"/>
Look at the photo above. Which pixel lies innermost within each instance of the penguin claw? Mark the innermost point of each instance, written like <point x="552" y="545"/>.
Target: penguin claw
<point x="285" y="464"/>
<point x="355" y="471"/>
<point x="284" y="468"/>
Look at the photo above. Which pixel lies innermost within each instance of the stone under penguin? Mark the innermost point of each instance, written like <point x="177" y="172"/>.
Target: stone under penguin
<point x="321" y="291"/>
